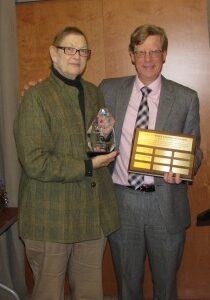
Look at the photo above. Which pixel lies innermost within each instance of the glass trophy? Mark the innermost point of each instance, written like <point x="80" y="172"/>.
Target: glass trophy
<point x="100" y="135"/>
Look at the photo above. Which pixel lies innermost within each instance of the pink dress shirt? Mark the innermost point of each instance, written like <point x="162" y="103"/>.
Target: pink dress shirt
<point x="120" y="174"/>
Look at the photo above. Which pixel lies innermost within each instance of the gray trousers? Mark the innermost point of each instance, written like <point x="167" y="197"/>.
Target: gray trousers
<point x="143" y="233"/>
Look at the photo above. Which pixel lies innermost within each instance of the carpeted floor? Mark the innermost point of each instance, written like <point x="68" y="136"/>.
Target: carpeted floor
<point x="105" y="298"/>
<point x="115" y="298"/>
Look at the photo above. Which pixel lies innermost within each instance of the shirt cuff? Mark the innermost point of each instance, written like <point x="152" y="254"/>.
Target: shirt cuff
<point x="88" y="168"/>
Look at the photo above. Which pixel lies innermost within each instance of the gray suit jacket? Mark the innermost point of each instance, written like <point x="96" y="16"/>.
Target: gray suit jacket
<point x="178" y="112"/>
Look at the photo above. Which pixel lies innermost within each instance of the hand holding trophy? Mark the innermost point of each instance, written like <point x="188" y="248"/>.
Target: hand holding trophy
<point x="100" y="135"/>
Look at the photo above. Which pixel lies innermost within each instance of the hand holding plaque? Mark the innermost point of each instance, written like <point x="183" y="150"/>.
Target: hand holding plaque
<point x="100" y="135"/>
<point x="157" y="152"/>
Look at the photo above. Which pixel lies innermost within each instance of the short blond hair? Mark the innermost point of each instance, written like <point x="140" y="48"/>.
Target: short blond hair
<point x="142" y="32"/>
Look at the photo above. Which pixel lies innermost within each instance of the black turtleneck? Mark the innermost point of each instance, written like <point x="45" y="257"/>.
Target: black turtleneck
<point x="77" y="83"/>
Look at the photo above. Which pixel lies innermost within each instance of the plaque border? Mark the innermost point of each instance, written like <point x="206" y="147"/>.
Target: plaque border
<point x="152" y="172"/>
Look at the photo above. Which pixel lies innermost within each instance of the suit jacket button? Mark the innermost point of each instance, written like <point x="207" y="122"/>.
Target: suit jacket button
<point x="93" y="184"/>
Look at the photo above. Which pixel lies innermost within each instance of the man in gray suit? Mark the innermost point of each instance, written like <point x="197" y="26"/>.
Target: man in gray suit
<point x="154" y="216"/>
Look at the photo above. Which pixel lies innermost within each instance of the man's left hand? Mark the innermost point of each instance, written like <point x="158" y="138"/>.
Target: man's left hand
<point x="172" y="178"/>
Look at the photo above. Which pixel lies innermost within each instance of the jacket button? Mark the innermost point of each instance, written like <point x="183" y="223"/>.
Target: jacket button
<point x="93" y="184"/>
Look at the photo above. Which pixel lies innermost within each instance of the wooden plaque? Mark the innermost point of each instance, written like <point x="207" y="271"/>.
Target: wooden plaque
<point x="156" y="152"/>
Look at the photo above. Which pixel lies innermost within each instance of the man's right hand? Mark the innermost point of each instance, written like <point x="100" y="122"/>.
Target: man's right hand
<point x="104" y="160"/>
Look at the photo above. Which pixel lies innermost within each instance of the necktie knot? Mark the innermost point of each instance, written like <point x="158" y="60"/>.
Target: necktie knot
<point x="145" y="91"/>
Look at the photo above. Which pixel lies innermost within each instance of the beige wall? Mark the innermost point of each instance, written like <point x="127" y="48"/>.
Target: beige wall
<point x="108" y="24"/>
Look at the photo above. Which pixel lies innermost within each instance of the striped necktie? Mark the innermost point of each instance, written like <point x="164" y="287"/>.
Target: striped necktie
<point x="136" y="180"/>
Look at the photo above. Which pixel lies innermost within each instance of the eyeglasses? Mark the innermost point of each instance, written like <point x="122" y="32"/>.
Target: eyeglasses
<point x="151" y="53"/>
<point x="73" y="51"/>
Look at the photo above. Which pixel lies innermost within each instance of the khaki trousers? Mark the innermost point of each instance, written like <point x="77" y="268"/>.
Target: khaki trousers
<point x="49" y="262"/>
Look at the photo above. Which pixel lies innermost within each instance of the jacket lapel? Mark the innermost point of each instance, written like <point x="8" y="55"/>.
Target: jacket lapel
<point x="166" y="102"/>
<point x="123" y="99"/>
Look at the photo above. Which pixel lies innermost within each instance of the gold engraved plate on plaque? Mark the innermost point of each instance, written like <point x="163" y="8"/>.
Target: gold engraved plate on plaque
<point x="156" y="152"/>
<point x="143" y="157"/>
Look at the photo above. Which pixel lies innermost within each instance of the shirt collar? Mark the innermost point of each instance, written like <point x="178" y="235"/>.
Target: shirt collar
<point x="154" y="86"/>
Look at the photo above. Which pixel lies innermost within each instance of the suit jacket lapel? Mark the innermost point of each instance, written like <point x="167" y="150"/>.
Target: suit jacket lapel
<point x="123" y="99"/>
<point x="167" y="99"/>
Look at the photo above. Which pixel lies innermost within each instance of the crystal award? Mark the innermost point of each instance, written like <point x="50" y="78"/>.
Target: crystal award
<point x="100" y="135"/>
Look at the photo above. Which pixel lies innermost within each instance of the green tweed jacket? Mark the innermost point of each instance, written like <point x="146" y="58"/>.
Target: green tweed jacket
<point x="57" y="202"/>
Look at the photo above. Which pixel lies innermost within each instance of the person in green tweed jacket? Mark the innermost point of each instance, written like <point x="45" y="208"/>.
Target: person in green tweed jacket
<point x="67" y="205"/>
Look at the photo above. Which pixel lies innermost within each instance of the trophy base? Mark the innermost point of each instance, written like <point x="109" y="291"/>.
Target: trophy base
<point x="93" y="154"/>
